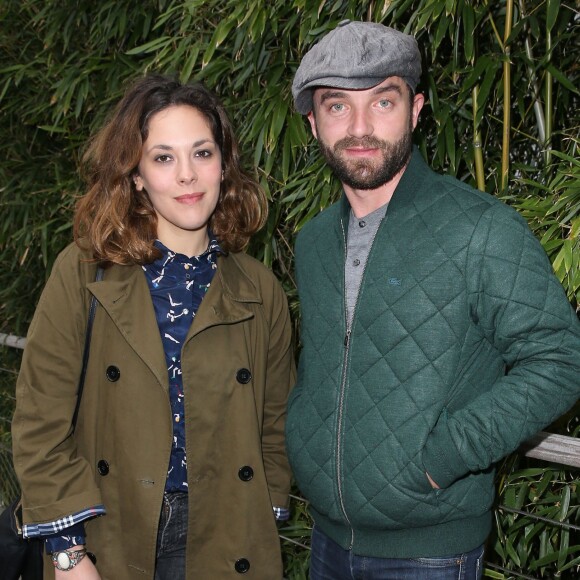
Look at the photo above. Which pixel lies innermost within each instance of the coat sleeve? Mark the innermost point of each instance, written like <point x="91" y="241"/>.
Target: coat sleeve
<point x="280" y="379"/>
<point x="523" y="312"/>
<point x="55" y="481"/>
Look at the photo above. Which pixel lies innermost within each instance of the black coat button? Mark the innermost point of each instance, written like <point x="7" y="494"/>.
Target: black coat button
<point x="242" y="566"/>
<point x="113" y="373"/>
<point x="245" y="473"/>
<point x="103" y="467"/>
<point x="243" y="376"/>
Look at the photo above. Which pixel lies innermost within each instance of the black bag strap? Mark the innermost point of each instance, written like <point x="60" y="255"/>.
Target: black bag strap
<point x="92" y="309"/>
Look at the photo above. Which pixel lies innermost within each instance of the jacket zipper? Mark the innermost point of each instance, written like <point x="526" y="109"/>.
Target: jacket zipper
<point x="341" y="403"/>
<point x="344" y="375"/>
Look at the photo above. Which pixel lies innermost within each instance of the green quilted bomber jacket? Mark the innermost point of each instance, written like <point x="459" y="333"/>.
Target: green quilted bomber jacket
<point x="463" y="345"/>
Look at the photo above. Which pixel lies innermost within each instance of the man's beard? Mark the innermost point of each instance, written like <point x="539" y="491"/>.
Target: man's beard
<point x="365" y="173"/>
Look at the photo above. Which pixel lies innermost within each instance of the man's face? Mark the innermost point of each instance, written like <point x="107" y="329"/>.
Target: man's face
<point x="366" y="135"/>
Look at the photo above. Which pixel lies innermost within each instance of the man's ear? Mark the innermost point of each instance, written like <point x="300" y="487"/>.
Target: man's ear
<point x="312" y="121"/>
<point x="418" y="103"/>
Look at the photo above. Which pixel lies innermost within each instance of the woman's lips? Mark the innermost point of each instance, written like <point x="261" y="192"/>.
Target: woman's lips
<point x="189" y="198"/>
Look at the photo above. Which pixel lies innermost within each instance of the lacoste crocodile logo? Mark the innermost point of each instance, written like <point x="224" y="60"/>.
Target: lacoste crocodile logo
<point x="394" y="281"/>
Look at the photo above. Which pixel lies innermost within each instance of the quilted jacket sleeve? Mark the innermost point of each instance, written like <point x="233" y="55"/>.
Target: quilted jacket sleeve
<point x="523" y="312"/>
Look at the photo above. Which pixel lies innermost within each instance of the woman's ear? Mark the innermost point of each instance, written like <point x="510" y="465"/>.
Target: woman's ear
<point x="138" y="182"/>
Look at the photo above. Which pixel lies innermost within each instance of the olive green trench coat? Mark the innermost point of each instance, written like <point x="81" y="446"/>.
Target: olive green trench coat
<point x="126" y="421"/>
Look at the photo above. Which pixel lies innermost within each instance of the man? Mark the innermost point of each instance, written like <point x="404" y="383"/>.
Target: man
<point x="435" y="337"/>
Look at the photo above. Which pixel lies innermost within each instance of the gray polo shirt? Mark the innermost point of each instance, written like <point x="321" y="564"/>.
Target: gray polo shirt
<point x="361" y="234"/>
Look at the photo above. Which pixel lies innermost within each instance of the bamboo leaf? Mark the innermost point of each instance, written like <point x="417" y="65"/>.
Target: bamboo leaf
<point x="568" y="261"/>
<point x="52" y="129"/>
<point x="189" y="64"/>
<point x="222" y="32"/>
<point x="562" y="79"/>
<point x="450" y="145"/>
<point x="469" y="29"/>
<point x="150" y="46"/>
<point x="442" y="27"/>
<point x="553" y="9"/>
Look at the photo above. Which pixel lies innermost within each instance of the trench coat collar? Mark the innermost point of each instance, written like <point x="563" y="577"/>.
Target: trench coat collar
<point x="124" y="295"/>
<point x="228" y="296"/>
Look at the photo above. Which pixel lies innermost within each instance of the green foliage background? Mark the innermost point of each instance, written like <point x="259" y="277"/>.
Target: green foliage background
<point x="501" y="81"/>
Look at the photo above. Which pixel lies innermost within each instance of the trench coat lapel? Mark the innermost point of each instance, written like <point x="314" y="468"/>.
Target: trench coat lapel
<point x="225" y="300"/>
<point x="126" y="298"/>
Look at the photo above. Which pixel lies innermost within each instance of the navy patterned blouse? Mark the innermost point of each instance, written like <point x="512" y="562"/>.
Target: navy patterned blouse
<point x="178" y="284"/>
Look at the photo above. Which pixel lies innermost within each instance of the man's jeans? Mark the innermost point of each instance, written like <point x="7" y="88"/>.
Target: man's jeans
<point x="329" y="561"/>
<point x="171" y="538"/>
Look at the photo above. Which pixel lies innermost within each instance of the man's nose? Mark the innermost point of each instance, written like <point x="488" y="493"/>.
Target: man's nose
<point x="360" y="125"/>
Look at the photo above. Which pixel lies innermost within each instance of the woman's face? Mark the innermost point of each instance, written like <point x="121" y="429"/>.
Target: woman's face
<point x="180" y="169"/>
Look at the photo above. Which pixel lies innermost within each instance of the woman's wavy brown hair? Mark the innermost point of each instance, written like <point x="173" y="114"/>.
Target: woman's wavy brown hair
<point x="116" y="222"/>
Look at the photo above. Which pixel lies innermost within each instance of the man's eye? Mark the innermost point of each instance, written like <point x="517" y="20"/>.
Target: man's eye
<point x="384" y="103"/>
<point x="337" y="107"/>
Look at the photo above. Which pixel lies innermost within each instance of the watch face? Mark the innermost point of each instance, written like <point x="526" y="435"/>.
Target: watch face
<point x="63" y="560"/>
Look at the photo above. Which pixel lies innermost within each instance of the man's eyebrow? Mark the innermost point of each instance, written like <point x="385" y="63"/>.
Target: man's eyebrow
<point x="326" y="95"/>
<point x="387" y="89"/>
<point x="333" y="94"/>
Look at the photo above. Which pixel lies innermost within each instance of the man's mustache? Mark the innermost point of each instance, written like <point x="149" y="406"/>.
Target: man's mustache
<point x="367" y="142"/>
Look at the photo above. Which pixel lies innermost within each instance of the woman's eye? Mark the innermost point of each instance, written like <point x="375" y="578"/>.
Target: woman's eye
<point x="163" y="158"/>
<point x="203" y="153"/>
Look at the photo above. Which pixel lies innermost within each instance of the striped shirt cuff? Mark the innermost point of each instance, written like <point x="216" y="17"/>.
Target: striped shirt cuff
<point x="282" y="514"/>
<point x="50" y="528"/>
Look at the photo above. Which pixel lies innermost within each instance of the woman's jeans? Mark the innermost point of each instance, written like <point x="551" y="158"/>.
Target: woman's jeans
<point x="329" y="561"/>
<point x="171" y="538"/>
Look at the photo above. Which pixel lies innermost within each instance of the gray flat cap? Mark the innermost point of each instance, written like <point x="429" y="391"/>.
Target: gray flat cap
<point x="356" y="55"/>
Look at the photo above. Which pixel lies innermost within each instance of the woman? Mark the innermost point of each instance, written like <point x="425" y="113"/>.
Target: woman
<point x="179" y="442"/>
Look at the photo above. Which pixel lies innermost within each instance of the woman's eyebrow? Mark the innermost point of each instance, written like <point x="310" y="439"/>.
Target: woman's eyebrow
<point x="164" y="147"/>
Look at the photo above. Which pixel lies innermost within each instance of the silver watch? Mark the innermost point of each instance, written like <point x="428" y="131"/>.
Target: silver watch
<point x="66" y="560"/>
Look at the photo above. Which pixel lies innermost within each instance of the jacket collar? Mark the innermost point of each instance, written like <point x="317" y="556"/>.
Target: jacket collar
<point x="238" y="286"/>
<point x="225" y="302"/>
<point x="124" y="295"/>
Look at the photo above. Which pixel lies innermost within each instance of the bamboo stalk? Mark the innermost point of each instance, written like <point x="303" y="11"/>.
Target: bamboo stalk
<point x="538" y="111"/>
<point x="505" y="154"/>
<point x="477" y="144"/>
<point x="548" y="104"/>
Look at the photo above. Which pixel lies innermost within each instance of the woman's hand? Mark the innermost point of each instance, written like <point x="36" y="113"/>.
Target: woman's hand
<point x="84" y="570"/>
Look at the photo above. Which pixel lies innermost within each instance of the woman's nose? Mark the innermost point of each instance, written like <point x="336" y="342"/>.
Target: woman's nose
<point x="187" y="173"/>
